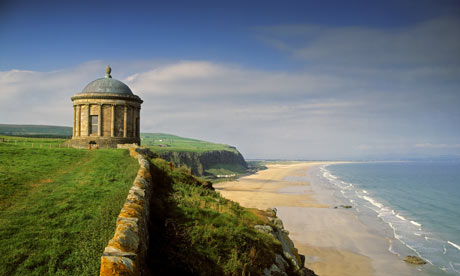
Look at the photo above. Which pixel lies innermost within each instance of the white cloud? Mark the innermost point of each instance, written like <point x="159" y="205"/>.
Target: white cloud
<point x="193" y="78"/>
<point x="436" y="146"/>
<point x="430" y="43"/>
<point x="42" y="97"/>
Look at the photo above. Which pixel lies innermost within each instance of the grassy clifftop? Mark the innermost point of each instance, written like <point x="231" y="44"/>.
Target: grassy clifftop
<point x="58" y="206"/>
<point x="207" y="159"/>
<point x="203" y="158"/>
<point x="160" y="142"/>
<point x="36" y="130"/>
<point x="211" y="160"/>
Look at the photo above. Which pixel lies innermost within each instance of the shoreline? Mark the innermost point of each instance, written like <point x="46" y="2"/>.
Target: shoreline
<point x="334" y="241"/>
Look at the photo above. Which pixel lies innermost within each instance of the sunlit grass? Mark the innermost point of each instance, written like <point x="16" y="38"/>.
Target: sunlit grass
<point x="58" y="207"/>
<point x="160" y="142"/>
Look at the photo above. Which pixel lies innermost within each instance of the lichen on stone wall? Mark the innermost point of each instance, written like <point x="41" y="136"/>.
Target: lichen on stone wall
<point x="126" y="251"/>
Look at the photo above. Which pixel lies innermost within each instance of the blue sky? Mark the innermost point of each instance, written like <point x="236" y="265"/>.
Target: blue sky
<point x="278" y="79"/>
<point x="48" y="35"/>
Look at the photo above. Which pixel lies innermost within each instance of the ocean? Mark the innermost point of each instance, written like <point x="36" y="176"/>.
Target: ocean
<point x="415" y="205"/>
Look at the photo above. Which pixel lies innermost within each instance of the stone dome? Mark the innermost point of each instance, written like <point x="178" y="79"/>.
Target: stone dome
<point x="107" y="85"/>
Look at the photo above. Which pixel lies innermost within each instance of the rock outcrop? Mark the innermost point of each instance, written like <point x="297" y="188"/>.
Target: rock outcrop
<point x="291" y="260"/>
<point x="414" y="260"/>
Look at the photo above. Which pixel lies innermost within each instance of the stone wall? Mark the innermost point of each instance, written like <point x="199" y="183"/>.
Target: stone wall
<point x="126" y="251"/>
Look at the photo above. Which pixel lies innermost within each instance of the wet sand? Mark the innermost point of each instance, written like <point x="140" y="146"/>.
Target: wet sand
<point x="334" y="241"/>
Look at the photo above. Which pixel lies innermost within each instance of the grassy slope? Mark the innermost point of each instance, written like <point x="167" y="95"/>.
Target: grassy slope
<point x="58" y="207"/>
<point x="175" y="143"/>
<point x="35" y="130"/>
<point x="33" y="142"/>
<point x="197" y="232"/>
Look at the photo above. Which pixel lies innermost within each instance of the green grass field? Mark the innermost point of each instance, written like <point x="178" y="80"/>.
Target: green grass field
<point x="31" y="142"/>
<point x="35" y="130"/>
<point x="58" y="206"/>
<point x="159" y="142"/>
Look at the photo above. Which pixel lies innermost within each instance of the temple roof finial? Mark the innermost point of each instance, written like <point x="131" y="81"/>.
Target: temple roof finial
<point x="107" y="71"/>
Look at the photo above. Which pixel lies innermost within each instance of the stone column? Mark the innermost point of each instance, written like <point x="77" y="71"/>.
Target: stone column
<point x="88" y="129"/>
<point x="79" y="120"/>
<point x="138" y="118"/>
<point x="112" y="128"/>
<point x="74" y="130"/>
<point x="99" y="121"/>
<point x="125" y="120"/>
<point x="134" y="121"/>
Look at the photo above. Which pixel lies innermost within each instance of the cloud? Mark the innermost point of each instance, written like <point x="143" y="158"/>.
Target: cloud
<point x="42" y="97"/>
<point x="436" y="146"/>
<point x="430" y="43"/>
<point x="192" y="78"/>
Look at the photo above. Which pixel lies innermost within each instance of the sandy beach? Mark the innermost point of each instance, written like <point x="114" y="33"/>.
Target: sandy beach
<point x="334" y="241"/>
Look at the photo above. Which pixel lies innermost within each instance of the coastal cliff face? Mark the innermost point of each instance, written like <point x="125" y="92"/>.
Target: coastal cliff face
<point x="201" y="162"/>
<point x="290" y="262"/>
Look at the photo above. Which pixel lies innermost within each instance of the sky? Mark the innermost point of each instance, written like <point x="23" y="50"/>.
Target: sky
<point x="277" y="79"/>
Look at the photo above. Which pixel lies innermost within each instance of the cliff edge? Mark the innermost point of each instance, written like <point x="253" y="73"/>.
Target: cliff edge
<point x="210" y="160"/>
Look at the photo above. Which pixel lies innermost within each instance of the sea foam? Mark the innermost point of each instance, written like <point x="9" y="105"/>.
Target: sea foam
<point x="373" y="202"/>
<point x="454" y="245"/>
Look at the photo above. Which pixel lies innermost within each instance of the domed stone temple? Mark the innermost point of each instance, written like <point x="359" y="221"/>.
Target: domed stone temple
<point x="105" y="113"/>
